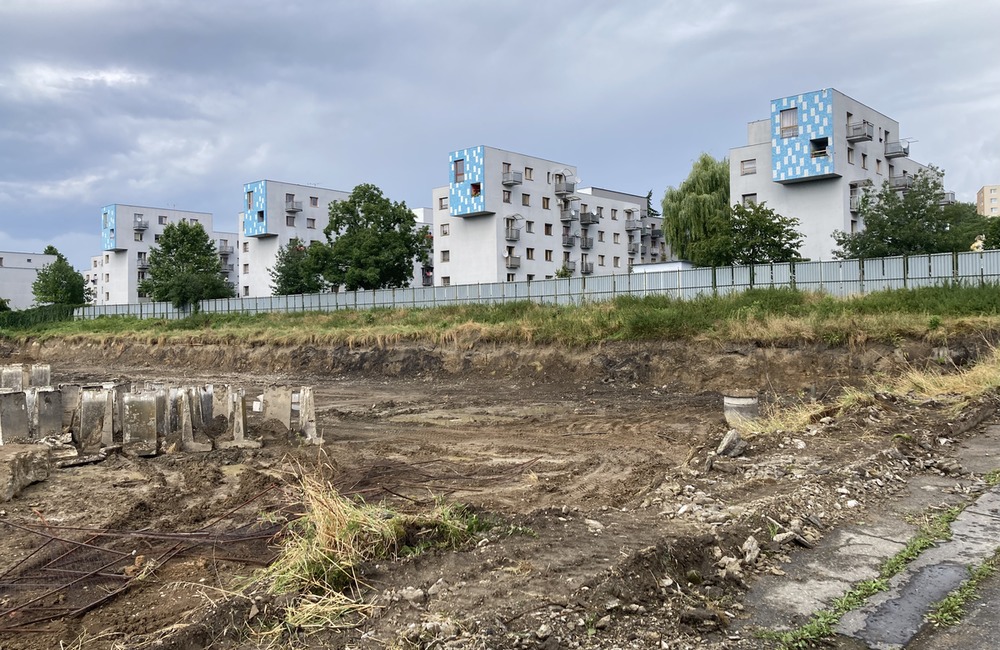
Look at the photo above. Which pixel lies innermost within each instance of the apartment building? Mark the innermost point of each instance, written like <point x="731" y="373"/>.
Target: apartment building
<point x="813" y="158"/>
<point x="127" y="234"/>
<point x="275" y="213"/>
<point x="988" y="201"/>
<point x="17" y="273"/>
<point x="505" y="216"/>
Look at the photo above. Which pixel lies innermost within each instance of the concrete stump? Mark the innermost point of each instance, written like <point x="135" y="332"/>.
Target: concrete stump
<point x="307" y="417"/>
<point x="187" y="425"/>
<point x="739" y="406"/>
<point x="220" y="405"/>
<point x="194" y="408"/>
<point x="48" y="414"/>
<point x="206" y="393"/>
<point x="29" y="404"/>
<point x="238" y="425"/>
<point x="71" y="405"/>
<point x="41" y="375"/>
<point x="173" y="409"/>
<point x="278" y="405"/>
<point x="12" y="376"/>
<point x="13" y="416"/>
<point x="162" y="412"/>
<point x="139" y="423"/>
<point x="96" y="413"/>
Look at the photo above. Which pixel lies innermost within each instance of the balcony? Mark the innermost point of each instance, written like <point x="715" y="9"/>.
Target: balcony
<point x="293" y="206"/>
<point x="428" y="281"/>
<point x="897" y="149"/>
<point x="569" y="215"/>
<point x="643" y="249"/>
<point x="226" y="250"/>
<point x="947" y="198"/>
<point x="633" y="249"/>
<point x="569" y="241"/>
<point x="860" y="131"/>
<point x="563" y="188"/>
<point x="228" y="268"/>
<point x="647" y="231"/>
<point x="140" y="224"/>
<point x="569" y="266"/>
<point x="586" y="243"/>
<point x="656" y="233"/>
<point x="855" y="203"/>
<point x="142" y="265"/>
<point x="513" y="261"/>
<point x="586" y="268"/>
<point x="512" y="178"/>
<point x="632" y="224"/>
<point x="588" y="218"/>
<point x="512" y="234"/>
<point x="901" y="183"/>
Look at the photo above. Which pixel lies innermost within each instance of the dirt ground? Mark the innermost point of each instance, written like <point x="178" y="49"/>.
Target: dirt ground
<point x="619" y="527"/>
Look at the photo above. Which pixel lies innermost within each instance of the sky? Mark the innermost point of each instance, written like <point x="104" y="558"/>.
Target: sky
<point x="178" y="103"/>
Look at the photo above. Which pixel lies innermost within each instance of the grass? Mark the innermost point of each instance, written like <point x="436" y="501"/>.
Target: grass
<point x="951" y="609"/>
<point x="760" y="315"/>
<point x="821" y="624"/>
<point x="324" y="551"/>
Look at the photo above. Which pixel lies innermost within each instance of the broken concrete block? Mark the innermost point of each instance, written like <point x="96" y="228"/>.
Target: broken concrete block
<point x="173" y="409"/>
<point x="187" y="424"/>
<point x="45" y="412"/>
<point x="278" y="405"/>
<point x="13" y="416"/>
<point x="139" y="423"/>
<point x="71" y="405"/>
<point x="96" y="413"/>
<point x="220" y="404"/>
<point x="162" y="411"/>
<point x="40" y="375"/>
<point x="238" y="425"/>
<point x="307" y="417"/>
<point x="12" y="376"/>
<point x="20" y="466"/>
<point x="207" y="404"/>
<point x="29" y="405"/>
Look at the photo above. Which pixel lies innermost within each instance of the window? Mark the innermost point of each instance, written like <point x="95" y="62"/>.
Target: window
<point x="506" y="196"/>
<point x="249" y="201"/>
<point x="748" y="167"/>
<point x="530" y="253"/>
<point x="246" y="269"/>
<point x="993" y="190"/>
<point x="138" y="236"/>
<point x="311" y="224"/>
<point x="614" y="214"/>
<point x="600" y="235"/>
<point x="545" y="203"/>
<point x="864" y="161"/>
<point x="446" y="281"/>
<point x="548" y="255"/>
<point x="314" y="201"/>
<point x="854" y="225"/>
<point x="107" y="277"/>
<point x="525" y="199"/>
<point x="445" y="229"/>
<point x="583" y="208"/>
<point x="506" y="168"/>
<point x="162" y="220"/>
<point x="246" y="290"/>
<point x="156" y="238"/>
<point x="616" y="262"/>
<point x="475" y="189"/>
<point x="993" y="201"/>
<point x="600" y="260"/>
<point x="617" y="238"/>
<point x="850" y="155"/>
<point x="93" y="261"/>
<point x="246" y="247"/>
<point x="192" y="220"/>
<point x="107" y="259"/>
<point x="289" y="220"/>
<point x="459" y="169"/>
<point x="528" y="173"/>
<point x="445" y="256"/>
<point x="260" y="216"/>
<point x="548" y="229"/>
<point x="818" y="147"/>
<point x="878" y="166"/>
<point x="529" y="226"/>
<point x="749" y="200"/>
<point x="789" y="123"/>
<point x="511" y="277"/>
<point x="443" y="203"/>
<point x="531" y="276"/>
<point x="600" y="211"/>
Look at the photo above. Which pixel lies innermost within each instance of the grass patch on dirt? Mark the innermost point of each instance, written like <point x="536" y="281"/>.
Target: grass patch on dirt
<point x="758" y="315"/>
<point x="323" y="552"/>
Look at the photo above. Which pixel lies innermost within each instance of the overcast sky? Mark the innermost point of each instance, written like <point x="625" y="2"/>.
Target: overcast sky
<point x="176" y="103"/>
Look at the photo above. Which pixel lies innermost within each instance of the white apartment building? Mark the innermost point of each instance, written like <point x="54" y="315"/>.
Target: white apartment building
<point x="988" y="201"/>
<point x="812" y="160"/>
<point x="17" y="273"/>
<point x="509" y="217"/>
<point x="127" y="234"/>
<point x="274" y="214"/>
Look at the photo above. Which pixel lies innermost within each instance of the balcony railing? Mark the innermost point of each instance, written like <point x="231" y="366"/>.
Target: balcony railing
<point x="293" y="206"/>
<point x="513" y="261"/>
<point x="588" y="218"/>
<point x="633" y="249"/>
<point x="947" y="198"/>
<point x="586" y="243"/>
<point x="569" y="241"/>
<point x="643" y="249"/>
<point x="569" y="266"/>
<point x="564" y="187"/>
<point x="142" y="264"/>
<point x="897" y="149"/>
<point x="901" y="183"/>
<point x="855" y="203"/>
<point x="228" y="268"/>
<point x="140" y="224"/>
<point x="428" y="281"/>
<point x="226" y="250"/>
<point x="632" y="224"/>
<point x="569" y="215"/>
<point x="656" y="233"/>
<point x="512" y="178"/>
<point x="586" y="268"/>
<point x="860" y="131"/>
<point x="513" y="234"/>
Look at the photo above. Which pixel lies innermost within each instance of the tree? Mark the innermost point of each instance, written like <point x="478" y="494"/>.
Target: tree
<point x="185" y="267"/>
<point x="760" y="235"/>
<point x="4" y="304"/>
<point x="909" y="222"/>
<point x="372" y="242"/>
<point x="697" y="215"/>
<point x="59" y="283"/>
<point x="296" y="270"/>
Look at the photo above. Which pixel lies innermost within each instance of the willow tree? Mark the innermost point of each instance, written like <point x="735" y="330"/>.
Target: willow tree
<point x="697" y="216"/>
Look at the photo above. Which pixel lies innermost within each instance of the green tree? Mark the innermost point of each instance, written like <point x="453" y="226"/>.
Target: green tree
<point x="296" y="269"/>
<point x="372" y="242"/>
<point x="185" y="267"/>
<point x="760" y="235"/>
<point x="697" y="215"/>
<point x="59" y="283"/>
<point x="910" y="222"/>
<point x="4" y="304"/>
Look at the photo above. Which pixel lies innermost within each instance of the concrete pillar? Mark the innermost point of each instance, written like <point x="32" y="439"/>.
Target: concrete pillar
<point x="220" y="405"/>
<point x="162" y="411"/>
<point x="13" y="417"/>
<point x="29" y="403"/>
<point x="194" y="408"/>
<point x="139" y="423"/>
<point x="96" y="413"/>
<point x="187" y="423"/>
<point x="71" y="405"/>
<point x="206" y="393"/>
<point x="278" y="405"/>
<point x="12" y="376"/>
<point x="739" y="406"/>
<point x="41" y="375"/>
<point x="307" y="417"/>
<point x="48" y="412"/>
<point x="238" y="424"/>
<point x="118" y="421"/>
<point x="173" y="409"/>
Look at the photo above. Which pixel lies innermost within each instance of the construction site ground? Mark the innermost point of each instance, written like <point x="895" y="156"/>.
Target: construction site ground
<point x="615" y="524"/>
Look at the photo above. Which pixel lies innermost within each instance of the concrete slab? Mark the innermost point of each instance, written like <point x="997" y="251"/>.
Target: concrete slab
<point x="207" y="404"/>
<point x="20" y="466"/>
<point x="187" y="425"/>
<point x="238" y="425"/>
<point x="194" y="408"/>
<point x="307" y="417"/>
<point x="13" y="417"/>
<point x="96" y="412"/>
<point x="162" y="411"/>
<point x="12" y="376"/>
<point x="139" y="423"/>
<point x="220" y="395"/>
<point x="48" y="413"/>
<point x="173" y="409"/>
<point x="278" y="405"/>
<point x="40" y="375"/>
<point x="29" y="403"/>
<point x="71" y="405"/>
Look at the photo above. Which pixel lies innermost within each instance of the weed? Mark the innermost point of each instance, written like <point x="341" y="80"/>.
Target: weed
<point x="950" y="610"/>
<point x="993" y="478"/>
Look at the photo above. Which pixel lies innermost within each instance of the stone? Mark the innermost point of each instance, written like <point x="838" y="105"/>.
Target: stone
<point x="13" y="416"/>
<point x="603" y="622"/>
<point x="307" y="417"/>
<point x="751" y="551"/>
<point x="732" y="445"/>
<point x="139" y="423"/>
<point x="413" y="595"/>
<point x="20" y="466"/>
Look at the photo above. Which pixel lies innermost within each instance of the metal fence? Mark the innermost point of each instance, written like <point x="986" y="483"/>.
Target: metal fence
<point x="837" y="278"/>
